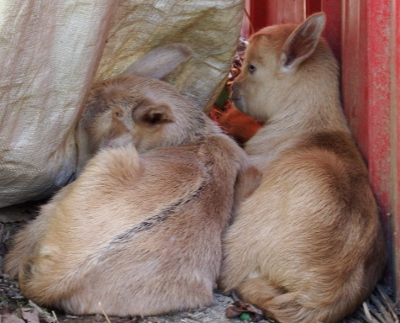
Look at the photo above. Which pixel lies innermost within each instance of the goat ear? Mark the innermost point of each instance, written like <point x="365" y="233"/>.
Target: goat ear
<point x="151" y="115"/>
<point x="160" y="62"/>
<point x="302" y="42"/>
<point x="247" y="182"/>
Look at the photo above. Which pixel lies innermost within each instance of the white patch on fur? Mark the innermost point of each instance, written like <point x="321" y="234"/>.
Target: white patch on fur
<point x="253" y="274"/>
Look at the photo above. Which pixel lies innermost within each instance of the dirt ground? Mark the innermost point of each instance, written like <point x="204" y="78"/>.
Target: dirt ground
<point x="14" y="308"/>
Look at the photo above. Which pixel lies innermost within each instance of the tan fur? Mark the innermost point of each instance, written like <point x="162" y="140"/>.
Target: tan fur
<point x="107" y="116"/>
<point x="140" y="229"/>
<point x="307" y="246"/>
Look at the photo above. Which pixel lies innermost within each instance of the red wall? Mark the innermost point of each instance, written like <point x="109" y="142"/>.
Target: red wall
<point x="365" y="37"/>
<point x="366" y="75"/>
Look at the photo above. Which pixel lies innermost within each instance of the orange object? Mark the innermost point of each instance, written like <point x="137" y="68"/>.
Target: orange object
<point x="234" y="123"/>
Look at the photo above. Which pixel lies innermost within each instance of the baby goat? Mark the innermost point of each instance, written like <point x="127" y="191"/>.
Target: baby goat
<point x="140" y="229"/>
<point x="308" y="245"/>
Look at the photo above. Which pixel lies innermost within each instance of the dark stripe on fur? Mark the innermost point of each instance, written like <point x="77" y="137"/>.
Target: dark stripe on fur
<point x="154" y="220"/>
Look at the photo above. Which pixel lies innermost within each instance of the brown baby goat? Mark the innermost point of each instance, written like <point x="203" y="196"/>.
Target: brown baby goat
<point x="138" y="232"/>
<point x="307" y="246"/>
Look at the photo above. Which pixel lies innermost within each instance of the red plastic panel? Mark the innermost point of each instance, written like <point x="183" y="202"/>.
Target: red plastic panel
<point x="366" y="86"/>
<point x="395" y="138"/>
<point x="269" y="12"/>
<point x="370" y="84"/>
<point x="266" y="12"/>
<point x="313" y="6"/>
<point x="332" y="33"/>
<point x="282" y="12"/>
<point x="258" y="13"/>
<point x="247" y="23"/>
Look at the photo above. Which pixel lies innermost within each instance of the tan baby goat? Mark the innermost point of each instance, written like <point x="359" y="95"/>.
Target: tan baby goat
<point x="138" y="232"/>
<point x="307" y="246"/>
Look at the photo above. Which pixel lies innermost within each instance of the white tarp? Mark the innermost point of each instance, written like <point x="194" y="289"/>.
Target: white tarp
<point x="51" y="51"/>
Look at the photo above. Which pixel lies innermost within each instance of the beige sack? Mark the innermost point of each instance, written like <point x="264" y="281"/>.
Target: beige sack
<point x="51" y="51"/>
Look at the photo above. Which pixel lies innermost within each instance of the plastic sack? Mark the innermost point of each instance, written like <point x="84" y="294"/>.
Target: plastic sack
<point x="51" y="52"/>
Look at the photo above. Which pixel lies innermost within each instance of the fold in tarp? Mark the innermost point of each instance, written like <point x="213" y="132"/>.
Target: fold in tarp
<point x="51" y="52"/>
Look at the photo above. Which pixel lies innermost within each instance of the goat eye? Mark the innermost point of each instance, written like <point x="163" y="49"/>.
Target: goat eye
<point x="251" y="68"/>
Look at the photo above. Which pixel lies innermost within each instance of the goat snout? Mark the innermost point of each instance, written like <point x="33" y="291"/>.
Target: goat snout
<point x="237" y="98"/>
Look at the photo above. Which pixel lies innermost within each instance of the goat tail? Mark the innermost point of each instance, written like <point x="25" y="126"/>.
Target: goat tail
<point x="44" y="284"/>
<point x="291" y="307"/>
